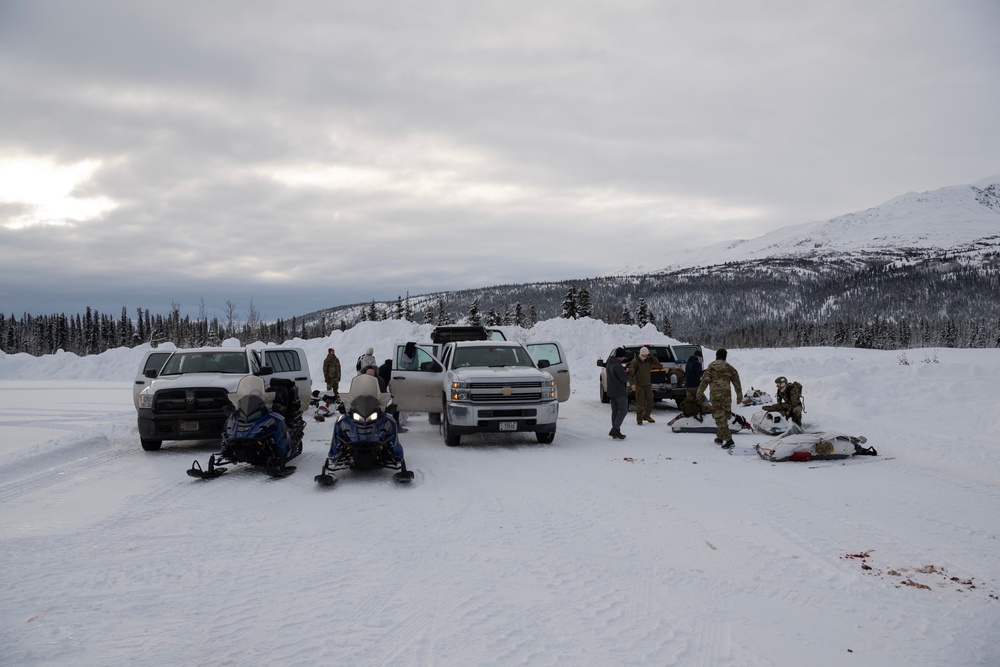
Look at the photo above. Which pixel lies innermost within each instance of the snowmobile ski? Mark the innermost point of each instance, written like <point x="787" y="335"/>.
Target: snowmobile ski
<point x="196" y="470"/>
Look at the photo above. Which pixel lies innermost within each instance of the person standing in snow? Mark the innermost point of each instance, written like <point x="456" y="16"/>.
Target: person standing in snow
<point x="331" y="372"/>
<point x="365" y="360"/>
<point x="642" y="366"/>
<point x="693" y="404"/>
<point x="617" y="393"/>
<point x="717" y="377"/>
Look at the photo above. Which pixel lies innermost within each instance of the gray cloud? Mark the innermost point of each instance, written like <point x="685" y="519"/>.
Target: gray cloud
<point x="306" y="154"/>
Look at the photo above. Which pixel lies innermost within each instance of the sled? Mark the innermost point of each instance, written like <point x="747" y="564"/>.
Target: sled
<point x="706" y="424"/>
<point x="757" y="397"/>
<point x="795" y="445"/>
<point x="770" y="423"/>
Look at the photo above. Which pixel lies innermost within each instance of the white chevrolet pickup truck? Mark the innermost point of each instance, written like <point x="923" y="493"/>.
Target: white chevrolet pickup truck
<point x="483" y="386"/>
<point x="185" y="394"/>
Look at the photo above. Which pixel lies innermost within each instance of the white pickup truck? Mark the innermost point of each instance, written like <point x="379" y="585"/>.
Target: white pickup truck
<point x="483" y="386"/>
<point x="185" y="394"/>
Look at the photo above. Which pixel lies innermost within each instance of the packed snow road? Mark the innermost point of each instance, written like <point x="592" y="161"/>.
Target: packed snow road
<point x="662" y="549"/>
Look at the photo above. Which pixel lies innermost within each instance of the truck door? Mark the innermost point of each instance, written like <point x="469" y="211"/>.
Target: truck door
<point x="558" y="366"/>
<point x="416" y="384"/>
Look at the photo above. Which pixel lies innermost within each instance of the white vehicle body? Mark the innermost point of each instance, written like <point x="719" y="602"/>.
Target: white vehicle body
<point x="484" y="386"/>
<point x="186" y="395"/>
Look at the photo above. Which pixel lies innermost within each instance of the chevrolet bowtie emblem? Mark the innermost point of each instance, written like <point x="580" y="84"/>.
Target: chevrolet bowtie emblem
<point x="506" y="391"/>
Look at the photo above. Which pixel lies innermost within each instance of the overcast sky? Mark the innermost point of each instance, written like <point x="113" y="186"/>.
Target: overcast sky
<point x="312" y="153"/>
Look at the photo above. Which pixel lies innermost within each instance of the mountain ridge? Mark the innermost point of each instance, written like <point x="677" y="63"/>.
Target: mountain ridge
<point x="958" y="218"/>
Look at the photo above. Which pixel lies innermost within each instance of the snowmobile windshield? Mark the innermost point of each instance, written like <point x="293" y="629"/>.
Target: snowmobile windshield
<point x="366" y="409"/>
<point x="251" y="405"/>
<point x="181" y="363"/>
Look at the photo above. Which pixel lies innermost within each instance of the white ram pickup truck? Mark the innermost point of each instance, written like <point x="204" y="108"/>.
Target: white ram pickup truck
<point x="185" y="394"/>
<point x="483" y="386"/>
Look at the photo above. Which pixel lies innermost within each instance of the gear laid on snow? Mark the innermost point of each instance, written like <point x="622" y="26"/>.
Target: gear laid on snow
<point x="794" y="445"/>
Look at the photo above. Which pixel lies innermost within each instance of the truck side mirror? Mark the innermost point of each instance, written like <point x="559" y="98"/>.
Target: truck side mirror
<point x="544" y="363"/>
<point x="150" y="373"/>
<point x="266" y="370"/>
<point x="600" y="362"/>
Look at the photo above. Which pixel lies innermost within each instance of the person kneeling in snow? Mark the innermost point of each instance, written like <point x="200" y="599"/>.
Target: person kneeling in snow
<point x="789" y="400"/>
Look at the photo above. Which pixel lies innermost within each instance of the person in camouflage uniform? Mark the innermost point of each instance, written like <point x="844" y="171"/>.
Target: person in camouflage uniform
<point x="717" y="377"/>
<point x="641" y="368"/>
<point x="789" y="400"/>
<point x="331" y="372"/>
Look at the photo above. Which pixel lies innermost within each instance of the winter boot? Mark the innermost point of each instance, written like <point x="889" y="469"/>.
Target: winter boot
<point x="718" y="441"/>
<point x="729" y="444"/>
<point x="638" y="421"/>
<point x="612" y="433"/>
<point x="617" y="435"/>
<point x="650" y="420"/>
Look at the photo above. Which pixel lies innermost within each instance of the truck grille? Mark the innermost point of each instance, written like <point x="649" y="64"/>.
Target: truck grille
<point x="501" y="398"/>
<point x="190" y="400"/>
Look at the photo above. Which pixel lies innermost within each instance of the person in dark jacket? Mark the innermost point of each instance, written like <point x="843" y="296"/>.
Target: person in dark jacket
<point x="385" y="372"/>
<point x="617" y="393"/>
<point x="693" y="404"/>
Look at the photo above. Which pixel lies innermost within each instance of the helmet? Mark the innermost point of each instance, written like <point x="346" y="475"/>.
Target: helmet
<point x="780" y="380"/>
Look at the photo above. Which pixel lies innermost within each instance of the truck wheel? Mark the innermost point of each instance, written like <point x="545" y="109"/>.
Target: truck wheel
<point x="545" y="438"/>
<point x="604" y="395"/>
<point x="150" y="445"/>
<point x="434" y="418"/>
<point x="450" y="439"/>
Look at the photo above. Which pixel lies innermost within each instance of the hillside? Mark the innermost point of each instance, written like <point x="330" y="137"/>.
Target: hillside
<point x="922" y="269"/>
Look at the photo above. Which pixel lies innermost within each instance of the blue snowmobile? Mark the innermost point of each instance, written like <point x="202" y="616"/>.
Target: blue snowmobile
<point x="365" y="435"/>
<point x="265" y="429"/>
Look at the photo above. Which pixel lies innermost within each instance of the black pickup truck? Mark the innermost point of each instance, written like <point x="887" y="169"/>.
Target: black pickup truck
<point x="668" y="381"/>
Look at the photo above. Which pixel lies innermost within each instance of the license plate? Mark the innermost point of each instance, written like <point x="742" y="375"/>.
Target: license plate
<point x="508" y="426"/>
<point x="189" y="427"/>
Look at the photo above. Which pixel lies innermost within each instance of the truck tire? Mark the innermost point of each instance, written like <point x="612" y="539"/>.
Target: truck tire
<point x="150" y="445"/>
<point x="545" y="438"/>
<point x="604" y="394"/>
<point x="450" y="439"/>
<point x="434" y="418"/>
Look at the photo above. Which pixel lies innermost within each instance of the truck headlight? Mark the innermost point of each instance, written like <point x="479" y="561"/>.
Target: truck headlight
<point x="552" y="388"/>
<point x="145" y="400"/>
<point x="460" y="391"/>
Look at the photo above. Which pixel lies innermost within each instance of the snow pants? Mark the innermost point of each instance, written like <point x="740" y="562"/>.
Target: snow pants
<point x="643" y="402"/>
<point x="722" y="412"/>
<point x="619" y="408"/>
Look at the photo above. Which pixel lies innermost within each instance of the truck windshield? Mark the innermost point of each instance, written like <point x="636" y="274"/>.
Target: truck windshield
<point x="684" y="352"/>
<point x="490" y="355"/>
<point x="180" y="363"/>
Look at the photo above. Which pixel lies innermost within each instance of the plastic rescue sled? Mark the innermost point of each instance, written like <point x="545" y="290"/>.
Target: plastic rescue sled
<point x="705" y="424"/>
<point x="771" y="423"/>
<point x="794" y="445"/>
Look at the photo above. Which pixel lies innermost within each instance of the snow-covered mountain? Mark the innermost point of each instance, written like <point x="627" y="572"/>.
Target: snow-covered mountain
<point x="962" y="219"/>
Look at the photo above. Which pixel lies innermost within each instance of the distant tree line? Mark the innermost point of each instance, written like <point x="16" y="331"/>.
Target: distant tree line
<point x="922" y="302"/>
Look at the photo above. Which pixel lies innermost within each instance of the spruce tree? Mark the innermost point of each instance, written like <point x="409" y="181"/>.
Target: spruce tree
<point x="569" y="304"/>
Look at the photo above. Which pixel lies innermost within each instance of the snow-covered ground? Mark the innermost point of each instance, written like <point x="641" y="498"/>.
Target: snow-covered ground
<point x="658" y="550"/>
